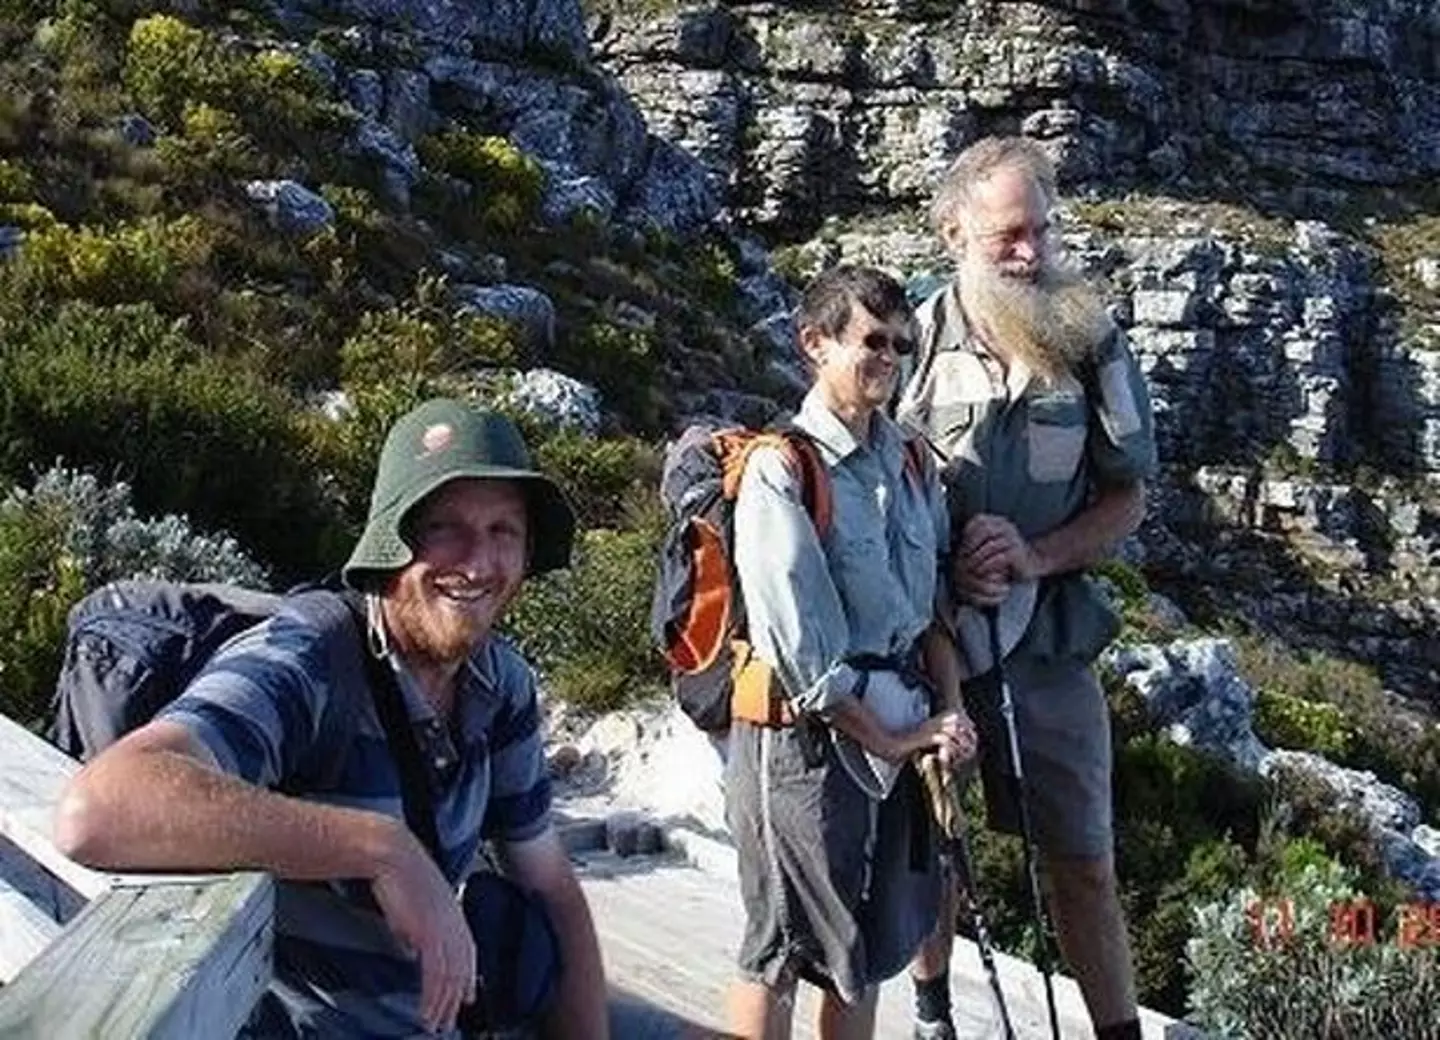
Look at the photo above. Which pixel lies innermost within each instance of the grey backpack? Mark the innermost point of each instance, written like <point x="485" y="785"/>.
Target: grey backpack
<point x="133" y="647"/>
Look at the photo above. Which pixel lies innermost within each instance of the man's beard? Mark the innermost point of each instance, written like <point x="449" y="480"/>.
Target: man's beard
<point x="1051" y="322"/>
<point x="433" y="633"/>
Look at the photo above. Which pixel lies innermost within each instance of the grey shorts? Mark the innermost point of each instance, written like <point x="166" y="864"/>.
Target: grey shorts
<point x="839" y="890"/>
<point x="1063" y="725"/>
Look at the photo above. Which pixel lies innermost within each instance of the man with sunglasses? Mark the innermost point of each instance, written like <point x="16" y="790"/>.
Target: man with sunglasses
<point x="1027" y="389"/>
<point x="840" y="882"/>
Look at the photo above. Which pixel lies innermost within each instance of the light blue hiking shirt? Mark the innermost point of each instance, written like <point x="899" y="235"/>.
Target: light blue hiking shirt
<point x="870" y="586"/>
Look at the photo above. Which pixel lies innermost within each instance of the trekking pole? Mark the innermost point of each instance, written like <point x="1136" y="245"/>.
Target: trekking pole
<point x="950" y="816"/>
<point x="1022" y="803"/>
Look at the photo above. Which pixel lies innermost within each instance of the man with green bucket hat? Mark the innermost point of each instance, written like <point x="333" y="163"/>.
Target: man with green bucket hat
<point x="282" y="755"/>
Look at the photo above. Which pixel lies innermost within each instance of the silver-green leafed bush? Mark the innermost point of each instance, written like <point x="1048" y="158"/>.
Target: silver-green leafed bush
<point x="1280" y="967"/>
<point x="109" y="541"/>
<point x="66" y="536"/>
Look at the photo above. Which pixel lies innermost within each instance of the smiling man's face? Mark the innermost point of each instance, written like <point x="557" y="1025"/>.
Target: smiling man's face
<point x="470" y="540"/>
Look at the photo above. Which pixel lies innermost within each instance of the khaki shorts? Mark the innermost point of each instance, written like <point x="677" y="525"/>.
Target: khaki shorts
<point x="1063" y="724"/>
<point x="838" y="889"/>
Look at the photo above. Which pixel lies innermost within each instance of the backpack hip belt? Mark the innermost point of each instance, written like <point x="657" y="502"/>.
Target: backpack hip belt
<point x="758" y="697"/>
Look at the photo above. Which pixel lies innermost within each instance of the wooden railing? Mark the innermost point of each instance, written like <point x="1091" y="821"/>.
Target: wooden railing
<point x="115" y="956"/>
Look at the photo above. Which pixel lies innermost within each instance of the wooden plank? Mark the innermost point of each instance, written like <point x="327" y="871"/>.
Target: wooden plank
<point x="669" y="932"/>
<point x="25" y="930"/>
<point x="52" y="897"/>
<point x="169" y="961"/>
<point x="32" y="775"/>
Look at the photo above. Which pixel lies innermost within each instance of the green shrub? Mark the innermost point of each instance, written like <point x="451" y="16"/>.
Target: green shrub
<point x="28" y="215"/>
<point x="133" y="262"/>
<point x="394" y="360"/>
<point x="1134" y="591"/>
<point x="170" y="64"/>
<point x="508" y="184"/>
<point x="600" y="476"/>
<point x="212" y="146"/>
<point x="1174" y="805"/>
<point x="1306" y="807"/>
<point x="15" y="182"/>
<point x="289" y="97"/>
<point x="422" y="340"/>
<point x="71" y="534"/>
<point x="1200" y="796"/>
<point x="356" y="210"/>
<point x="1289" y="722"/>
<point x="1161" y="921"/>
<point x="25" y="14"/>
<point x="1307" y="675"/>
<point x="1318" y="702"/>
<point x="122" y="391"/>
<point x="1254" y="977"/>
<point x="38" y="584"/>
<point x="622" y="361"/>
<point x="713" y="274"/>
<point x="587" y="629"/>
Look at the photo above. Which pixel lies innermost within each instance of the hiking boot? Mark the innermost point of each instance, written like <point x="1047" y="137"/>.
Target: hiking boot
<point x="941" y="1030"/>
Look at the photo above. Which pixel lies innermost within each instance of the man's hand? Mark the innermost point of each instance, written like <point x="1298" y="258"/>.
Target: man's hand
<point x="990" y="556"/>
<point x="950" y="734"/>
<point x="421" y="909"/>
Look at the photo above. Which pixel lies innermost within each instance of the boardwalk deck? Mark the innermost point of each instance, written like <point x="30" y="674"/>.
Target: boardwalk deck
<point x="669" y="931"/>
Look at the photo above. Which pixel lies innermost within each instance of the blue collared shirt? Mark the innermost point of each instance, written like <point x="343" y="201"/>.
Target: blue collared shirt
<point x="870" y="586"/>
<point x="258" y="708"/>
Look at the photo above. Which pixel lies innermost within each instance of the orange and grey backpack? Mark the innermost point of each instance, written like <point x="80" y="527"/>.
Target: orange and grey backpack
<point x="697" y="616"/>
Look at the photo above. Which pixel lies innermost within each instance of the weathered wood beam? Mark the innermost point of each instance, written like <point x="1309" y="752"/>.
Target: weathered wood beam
<point x="168" y="961"/>
<point x="25" y="930"/>
<point x="32" y="775"/>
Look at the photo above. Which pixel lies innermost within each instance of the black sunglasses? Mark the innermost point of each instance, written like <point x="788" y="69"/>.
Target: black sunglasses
<point x="877" y="341"/>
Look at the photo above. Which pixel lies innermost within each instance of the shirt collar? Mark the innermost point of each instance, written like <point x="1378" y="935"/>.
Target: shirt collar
<point x="476" y="679"/>
<point x="816" y="418"/>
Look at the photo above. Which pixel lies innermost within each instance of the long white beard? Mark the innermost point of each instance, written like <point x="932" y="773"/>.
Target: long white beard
<point x="1050" y="323"/>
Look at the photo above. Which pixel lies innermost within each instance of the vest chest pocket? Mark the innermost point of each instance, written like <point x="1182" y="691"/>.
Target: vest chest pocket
<point x="1055" y="433"/>
<point x="952" y="424"/>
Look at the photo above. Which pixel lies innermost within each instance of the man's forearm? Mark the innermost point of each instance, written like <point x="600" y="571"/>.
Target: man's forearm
<point x="851" y="717"/>
<point x="580" y="1006"/>
<point x="162" y="810"/>
<point x="1093" y="534"/>
<point x="943" y="666"/>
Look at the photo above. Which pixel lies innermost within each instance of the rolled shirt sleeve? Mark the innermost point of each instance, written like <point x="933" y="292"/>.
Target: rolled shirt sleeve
<point x="794" y="614"/>
<point x="1121" y="444"/>
<point x="256" y="707"/>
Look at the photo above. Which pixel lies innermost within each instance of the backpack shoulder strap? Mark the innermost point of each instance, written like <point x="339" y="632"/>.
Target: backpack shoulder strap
<point x="415" y="795"/>
<point x="801" y="455"/>
<point x="915" y="452"/>
<point x="341" y="615"/>
<point x="814" y="478"/>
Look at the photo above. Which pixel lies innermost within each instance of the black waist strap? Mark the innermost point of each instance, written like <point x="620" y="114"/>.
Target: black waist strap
<point x="906" y="664"/>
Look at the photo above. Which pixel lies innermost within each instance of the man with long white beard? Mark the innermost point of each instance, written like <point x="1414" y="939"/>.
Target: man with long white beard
<point x="1029" y="393"/>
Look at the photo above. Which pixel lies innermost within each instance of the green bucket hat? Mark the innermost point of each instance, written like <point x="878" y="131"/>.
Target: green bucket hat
<point x="444" y="440"/>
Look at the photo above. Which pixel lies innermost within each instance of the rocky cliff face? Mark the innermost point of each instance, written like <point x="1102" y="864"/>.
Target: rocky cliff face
<point x="519" y="68"/>
<point x="1225" y="157"/>
<point x="855" y="105"/>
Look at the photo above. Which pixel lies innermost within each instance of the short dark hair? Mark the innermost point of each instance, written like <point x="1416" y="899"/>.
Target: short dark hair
<point x="826" y="305"/>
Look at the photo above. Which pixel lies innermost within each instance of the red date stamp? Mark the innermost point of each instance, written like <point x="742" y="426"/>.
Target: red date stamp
<point x="1353" y="923"/>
